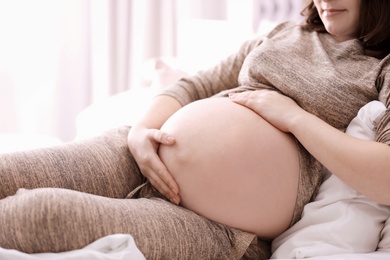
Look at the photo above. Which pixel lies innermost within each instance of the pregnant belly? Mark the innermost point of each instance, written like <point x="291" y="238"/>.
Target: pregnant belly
<point x="232" y="166"/>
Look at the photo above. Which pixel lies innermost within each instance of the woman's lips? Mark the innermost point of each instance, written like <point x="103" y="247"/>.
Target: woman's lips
<point x="332" y="12"/>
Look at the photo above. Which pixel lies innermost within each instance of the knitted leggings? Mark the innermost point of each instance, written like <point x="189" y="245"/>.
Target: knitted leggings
<point x="63" y="198"/>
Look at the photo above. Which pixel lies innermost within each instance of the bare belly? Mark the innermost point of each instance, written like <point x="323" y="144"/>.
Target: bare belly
<point x="232" y="166"/>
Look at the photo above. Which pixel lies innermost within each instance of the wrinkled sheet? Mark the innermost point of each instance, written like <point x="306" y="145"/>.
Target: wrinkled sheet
<point x="118" y="247"/>
<point x="370" y="256"/>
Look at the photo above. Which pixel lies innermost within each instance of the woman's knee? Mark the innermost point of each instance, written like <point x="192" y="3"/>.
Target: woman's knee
<point x="37" y="220"/>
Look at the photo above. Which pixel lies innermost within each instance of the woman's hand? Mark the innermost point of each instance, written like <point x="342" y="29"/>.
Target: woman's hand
<point x="277" y="109"/>
<point x="361" y="164"/>
<point x="143" y="144"/>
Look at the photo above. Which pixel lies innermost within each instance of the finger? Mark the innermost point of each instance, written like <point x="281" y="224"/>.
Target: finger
<point x="248" y="99"/>
<point x="161" y="137"/>
<point x="163" y="181"/>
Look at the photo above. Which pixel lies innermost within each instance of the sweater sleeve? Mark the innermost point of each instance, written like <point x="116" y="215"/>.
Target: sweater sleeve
<point x="383" y="129"/>
<point x="209" y="82"/>
<point x="383" y="126"/>
<point x="223" y="76"/>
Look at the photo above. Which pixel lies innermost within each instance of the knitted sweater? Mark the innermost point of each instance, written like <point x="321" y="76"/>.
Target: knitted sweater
<point x="329" y="79"/>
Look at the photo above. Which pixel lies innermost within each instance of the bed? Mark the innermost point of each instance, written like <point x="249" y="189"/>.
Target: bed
<point x="339" y="224"/>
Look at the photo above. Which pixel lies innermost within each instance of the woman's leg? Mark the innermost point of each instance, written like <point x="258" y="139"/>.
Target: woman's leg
<point x="56" y="220"/>
<point x="102" y="165"/>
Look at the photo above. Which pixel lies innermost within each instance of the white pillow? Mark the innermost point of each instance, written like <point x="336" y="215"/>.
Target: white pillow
<point x="339" y="220"/>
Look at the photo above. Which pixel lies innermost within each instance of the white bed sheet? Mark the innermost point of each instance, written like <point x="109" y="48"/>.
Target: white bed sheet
<point x="379" y="255"/>
<point x="123" y="247"/>
<point x="112" y="247"/>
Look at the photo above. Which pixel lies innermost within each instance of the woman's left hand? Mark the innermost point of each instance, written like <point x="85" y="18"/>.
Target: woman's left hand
<point x="276" y="108"/>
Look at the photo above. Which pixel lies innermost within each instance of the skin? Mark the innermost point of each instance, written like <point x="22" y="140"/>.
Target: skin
<point x="340" y="17"/>
<point x="364" y="165"/>
<point x="145" y="138"/>
<point x="361" y="164"/>
<point x="226" y="160"/>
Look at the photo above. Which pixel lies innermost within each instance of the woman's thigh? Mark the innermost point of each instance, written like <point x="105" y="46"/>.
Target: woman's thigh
<point x="56" y="220"/>
<point x="102" y="165"/>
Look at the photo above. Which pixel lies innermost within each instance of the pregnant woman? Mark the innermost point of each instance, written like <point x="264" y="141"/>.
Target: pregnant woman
<point x="225" y="160"/>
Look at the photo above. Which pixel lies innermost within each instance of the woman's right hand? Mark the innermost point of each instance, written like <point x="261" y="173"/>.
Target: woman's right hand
<point x="143" y="144"/>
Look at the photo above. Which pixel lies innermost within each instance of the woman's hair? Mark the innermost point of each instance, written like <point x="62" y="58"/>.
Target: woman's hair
<point x="374" y="24"/>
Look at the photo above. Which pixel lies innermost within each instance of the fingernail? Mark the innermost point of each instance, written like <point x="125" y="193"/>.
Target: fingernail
<point x="170" y="139"/>
<point x="173" y="201"/>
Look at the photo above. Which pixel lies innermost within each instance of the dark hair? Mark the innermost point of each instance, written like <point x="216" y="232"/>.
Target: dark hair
<point x="374" y="24"/>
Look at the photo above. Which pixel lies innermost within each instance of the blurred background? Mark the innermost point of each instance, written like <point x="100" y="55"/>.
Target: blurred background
<point x="57" y="58"/>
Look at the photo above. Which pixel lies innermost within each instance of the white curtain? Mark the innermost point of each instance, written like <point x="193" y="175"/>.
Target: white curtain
<point x="29" y="63"/>
<point x="58" y="57"/>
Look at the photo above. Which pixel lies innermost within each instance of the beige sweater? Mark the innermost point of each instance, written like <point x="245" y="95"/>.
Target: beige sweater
<point x="328" y="79"/>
